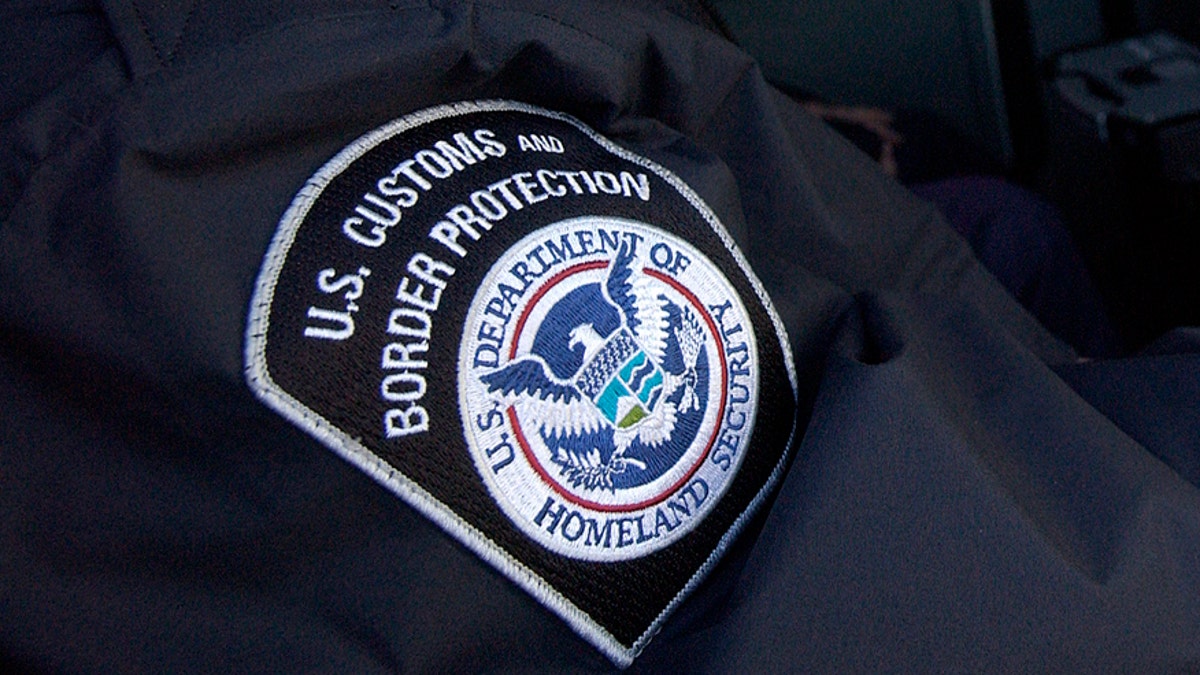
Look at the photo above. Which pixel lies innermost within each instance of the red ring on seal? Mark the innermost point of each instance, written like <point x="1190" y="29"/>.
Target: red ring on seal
<point x="520" y="434"/>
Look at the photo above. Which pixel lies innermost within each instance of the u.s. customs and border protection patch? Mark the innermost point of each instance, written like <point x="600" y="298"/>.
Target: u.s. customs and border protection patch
<point x="543" y="342"/>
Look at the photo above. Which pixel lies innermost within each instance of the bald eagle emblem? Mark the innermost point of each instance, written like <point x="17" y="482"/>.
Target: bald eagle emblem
<point x="612" y="381"/>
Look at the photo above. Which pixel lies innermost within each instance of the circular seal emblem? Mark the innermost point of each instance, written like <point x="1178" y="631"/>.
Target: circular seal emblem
<point x="598" y="359"/>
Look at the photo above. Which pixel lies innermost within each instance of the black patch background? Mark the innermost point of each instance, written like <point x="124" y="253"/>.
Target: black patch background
<point x="340" y="381"/>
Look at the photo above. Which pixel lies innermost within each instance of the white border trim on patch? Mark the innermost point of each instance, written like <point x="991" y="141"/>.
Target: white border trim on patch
<point x="259" y="379"/>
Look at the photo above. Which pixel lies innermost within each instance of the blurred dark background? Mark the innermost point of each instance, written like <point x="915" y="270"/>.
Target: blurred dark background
<point x="1094" y="105"/>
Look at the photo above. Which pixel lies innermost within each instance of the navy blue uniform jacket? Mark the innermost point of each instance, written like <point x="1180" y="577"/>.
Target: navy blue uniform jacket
<point x="963" y="495"/>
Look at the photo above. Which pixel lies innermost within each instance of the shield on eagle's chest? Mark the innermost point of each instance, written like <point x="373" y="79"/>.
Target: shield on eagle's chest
<point x="622" y="380"/>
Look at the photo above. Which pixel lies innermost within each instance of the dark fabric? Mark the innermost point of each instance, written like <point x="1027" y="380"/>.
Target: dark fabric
<point x="1022" y="240"/>
<point x="964" y="497"/>
<point x="934" y="150"/>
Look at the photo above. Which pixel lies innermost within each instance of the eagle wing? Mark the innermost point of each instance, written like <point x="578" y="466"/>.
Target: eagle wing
<point x="689" y="335"/>
<point x="619" y="286"/>
<point x="643" y="309"/>
<point x="556" y="405"/>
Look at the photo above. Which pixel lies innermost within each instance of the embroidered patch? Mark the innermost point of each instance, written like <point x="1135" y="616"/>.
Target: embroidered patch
<point x="543" y="342"/>
<point x="596" y="389"/>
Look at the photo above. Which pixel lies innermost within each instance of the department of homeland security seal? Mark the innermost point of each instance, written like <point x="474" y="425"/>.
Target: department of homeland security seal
<point x="607" y="421"/>
<point x="545" y="343"/>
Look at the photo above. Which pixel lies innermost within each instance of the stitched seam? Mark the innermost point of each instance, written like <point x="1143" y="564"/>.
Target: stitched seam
<point x="146" y="32"/>
<point x="702" y="125"/>
<point x="187" y="22"/>
<point x="551" y="19"/>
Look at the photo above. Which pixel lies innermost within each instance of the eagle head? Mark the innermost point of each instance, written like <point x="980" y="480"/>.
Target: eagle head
<point x="586" y="335"/>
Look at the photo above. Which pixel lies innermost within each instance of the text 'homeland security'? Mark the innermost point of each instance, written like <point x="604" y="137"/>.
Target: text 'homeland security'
<point x="618" y="532"/>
